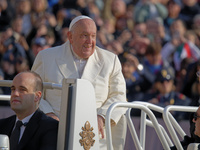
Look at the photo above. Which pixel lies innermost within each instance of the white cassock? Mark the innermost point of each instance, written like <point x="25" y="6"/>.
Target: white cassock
<point x="102" y="69"/>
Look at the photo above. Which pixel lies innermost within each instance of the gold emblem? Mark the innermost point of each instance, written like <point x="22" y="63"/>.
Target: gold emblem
<point x="87" y="136"/>
<point x="164" y="73"/>
<point x="172" y="101"/>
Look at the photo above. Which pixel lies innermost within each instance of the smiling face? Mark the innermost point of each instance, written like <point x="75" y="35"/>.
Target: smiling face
<point x="83" y="38"/>
<point x="24" y="98"/>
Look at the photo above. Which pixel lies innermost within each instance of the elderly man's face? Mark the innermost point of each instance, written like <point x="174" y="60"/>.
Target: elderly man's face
<point x="83" y="38"/>
<point x="196" y="120"/>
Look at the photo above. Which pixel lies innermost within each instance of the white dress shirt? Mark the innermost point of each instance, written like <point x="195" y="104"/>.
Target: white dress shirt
<point x="24" y="121"/>
<point x="79" y="63"/>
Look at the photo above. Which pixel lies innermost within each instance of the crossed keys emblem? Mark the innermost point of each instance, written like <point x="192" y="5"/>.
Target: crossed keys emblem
<point x="87" y="136"/>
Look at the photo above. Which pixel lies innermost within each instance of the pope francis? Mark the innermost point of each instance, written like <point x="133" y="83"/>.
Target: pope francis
<point x="80" y="58"/>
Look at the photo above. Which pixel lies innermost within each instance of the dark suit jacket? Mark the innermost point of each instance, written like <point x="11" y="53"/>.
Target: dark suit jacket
<point x="40" y="132"/>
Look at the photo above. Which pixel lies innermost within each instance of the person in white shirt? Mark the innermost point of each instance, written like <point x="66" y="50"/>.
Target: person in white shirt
<point x="79" y="57"/>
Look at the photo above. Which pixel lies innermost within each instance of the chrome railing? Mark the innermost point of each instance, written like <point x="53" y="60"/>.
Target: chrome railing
<point x="169" y="121"/>
<point x="138" y="106"/>
<point x="146" y="110"/>
<point x="8" y="83"/>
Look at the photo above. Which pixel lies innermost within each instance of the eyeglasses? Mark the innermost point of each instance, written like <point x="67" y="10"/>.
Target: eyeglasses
<point x="196" y="116"/>
<point x="198" y="73"/>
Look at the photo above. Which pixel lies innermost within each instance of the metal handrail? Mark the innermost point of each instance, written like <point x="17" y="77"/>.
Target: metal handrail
<point x="138" y="106"/>
<point x="47" y="85"/>
<point x="172" y="126"/>
<point x="133" y="131"/>
<point x="149" y="123"/>
<point x="168" y="122"/>
<point x="176" y="125"/>
<point x="8" y="83"/>
<point x="146" y="122"/>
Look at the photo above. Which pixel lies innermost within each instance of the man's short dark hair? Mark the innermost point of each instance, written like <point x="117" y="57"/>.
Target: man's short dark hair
<point x="38" y="81"/>
<point x="153" y="49"/>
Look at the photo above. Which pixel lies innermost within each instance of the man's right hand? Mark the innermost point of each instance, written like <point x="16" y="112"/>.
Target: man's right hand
<point x="101" y="125"/>
<point x="52" y="115"/>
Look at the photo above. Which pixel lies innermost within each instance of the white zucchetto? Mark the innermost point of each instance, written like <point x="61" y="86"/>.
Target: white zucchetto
<point x="76" y="19"/>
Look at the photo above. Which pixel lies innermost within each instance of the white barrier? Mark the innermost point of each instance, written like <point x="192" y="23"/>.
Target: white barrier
<point x="193" y="146"/>
<point x="139" y="144"/>
<point x="146" y="108"/>
<point x="47" y="85"/>
<point x="8" y="83"/>
<point x="4" y="142"/>
<point x="138" y="106"/>
<point x="78" y="128"/>
<point x="168" y="121"/>
<point x="160" y="110"/>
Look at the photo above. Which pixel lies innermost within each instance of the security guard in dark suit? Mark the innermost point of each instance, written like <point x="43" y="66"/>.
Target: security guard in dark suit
<point x="166" y="94"/>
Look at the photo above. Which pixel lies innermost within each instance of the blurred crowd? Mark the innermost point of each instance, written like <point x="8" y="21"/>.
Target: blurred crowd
<point x="157" y="41"/>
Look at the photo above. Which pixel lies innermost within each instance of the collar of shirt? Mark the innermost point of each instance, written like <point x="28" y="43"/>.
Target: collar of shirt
<point x="80" y="62"/>
<point x="24" y="121"/>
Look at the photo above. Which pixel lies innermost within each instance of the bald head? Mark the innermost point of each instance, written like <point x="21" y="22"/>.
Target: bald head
<point x="37" y="83"/>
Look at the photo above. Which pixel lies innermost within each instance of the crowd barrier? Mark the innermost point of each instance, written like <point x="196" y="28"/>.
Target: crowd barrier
<point x="152" y="140"/>
<point x="145" y="132"/>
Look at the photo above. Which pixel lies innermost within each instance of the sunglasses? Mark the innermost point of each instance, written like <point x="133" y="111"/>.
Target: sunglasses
<point x="196" y="116"/>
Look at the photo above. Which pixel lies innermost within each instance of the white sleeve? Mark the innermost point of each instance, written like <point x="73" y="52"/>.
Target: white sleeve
<point x="38" y="67"/>
<point x="45" y="106"/>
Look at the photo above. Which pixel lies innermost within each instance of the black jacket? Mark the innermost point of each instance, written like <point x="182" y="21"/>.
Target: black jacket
<point x="40" y="132"/>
